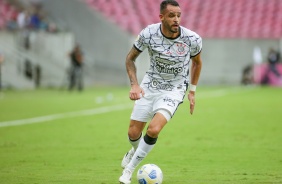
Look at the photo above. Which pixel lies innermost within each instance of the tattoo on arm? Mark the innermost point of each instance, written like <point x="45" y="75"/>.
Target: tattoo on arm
<point x="130" y="65"/>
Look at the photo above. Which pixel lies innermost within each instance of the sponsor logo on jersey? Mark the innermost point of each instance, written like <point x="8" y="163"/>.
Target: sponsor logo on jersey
<point x="155" y="84"/>
<point x="165" y="61"/>
<point x="164" y="66"/>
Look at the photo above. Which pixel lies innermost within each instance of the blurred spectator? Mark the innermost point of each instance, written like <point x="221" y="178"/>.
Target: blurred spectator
<point x="28" y="69"/>
<point x="247" y="75"/>
<point x="22" y="19"/>
<point x="273" y="59"/>
<point x="76" y="78"/>
<point x="11" y="17"/>
<point x="17" y="16"/>
<point x="8" y="15"/>
<point x="1" y="61"/>
<point x="37" y="76"/>
<point x="52" y="27"/>
<point x="35" y="21"/>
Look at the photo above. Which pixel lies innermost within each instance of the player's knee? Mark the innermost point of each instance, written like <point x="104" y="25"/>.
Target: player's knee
<point x="134" y="134"/>
<point x="135" y="130"/>
<point x="153" y="131"/>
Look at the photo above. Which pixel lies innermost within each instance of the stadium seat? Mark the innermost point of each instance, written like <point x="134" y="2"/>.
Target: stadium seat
<point x="209" y="18"/>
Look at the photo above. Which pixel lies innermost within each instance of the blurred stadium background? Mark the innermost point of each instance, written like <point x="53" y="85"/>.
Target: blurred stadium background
<point x="106" y="29"/>
<point x="53" y="136"/>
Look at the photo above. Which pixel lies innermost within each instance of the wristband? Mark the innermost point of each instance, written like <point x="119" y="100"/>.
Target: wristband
<point x="193" y="87"/>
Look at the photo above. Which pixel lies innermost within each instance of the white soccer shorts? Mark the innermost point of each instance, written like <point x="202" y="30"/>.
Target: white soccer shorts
<point x="165" y="103"/>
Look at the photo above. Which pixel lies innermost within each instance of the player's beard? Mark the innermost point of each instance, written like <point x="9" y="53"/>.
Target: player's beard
<point x="171" y="28"/>
<point x="174" y="29"/>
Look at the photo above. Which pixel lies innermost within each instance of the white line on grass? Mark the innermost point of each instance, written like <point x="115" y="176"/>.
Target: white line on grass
<point x="215" y="93"/>
<point x="65" y="115"/>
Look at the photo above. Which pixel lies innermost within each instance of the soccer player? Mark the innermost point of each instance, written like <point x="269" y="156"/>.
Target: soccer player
<point x="171" y="47"/>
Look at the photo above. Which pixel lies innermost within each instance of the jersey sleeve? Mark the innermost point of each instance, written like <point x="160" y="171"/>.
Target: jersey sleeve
<point x="140" y="42"/>
<point x="196" y="44"/>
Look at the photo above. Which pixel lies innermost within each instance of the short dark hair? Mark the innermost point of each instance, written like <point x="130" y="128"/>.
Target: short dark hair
<point x="164" y="4"/>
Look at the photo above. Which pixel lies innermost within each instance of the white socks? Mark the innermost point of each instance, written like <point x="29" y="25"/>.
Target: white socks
<point x="140" y="153"/>
<point x="136" y="142"/>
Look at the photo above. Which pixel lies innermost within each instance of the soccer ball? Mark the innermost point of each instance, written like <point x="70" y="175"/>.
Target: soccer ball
<point x="150" y="174"/>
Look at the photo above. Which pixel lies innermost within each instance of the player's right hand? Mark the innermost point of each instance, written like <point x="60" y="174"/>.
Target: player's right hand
<point x="136" y="92"/>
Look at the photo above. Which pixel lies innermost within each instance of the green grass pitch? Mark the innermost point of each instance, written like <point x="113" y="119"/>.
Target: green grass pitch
<point x="61" y="137"/>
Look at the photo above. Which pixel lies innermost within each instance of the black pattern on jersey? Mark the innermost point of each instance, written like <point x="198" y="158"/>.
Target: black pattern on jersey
<point x="169" y="59"/>
<point x="157" y="84"/>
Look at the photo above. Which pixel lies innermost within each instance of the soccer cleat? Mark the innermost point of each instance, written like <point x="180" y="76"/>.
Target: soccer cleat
<point x="125" y="178"/>
<point x="127" y="157"/>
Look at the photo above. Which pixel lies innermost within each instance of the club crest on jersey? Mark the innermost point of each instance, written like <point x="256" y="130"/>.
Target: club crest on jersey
<point x="180" y="48"/>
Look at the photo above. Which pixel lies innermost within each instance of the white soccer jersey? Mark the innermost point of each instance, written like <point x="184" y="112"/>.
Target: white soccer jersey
<point x="169" y="58"/>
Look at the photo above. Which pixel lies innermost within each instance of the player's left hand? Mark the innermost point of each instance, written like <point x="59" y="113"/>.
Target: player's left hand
<point x="191" y="98"/>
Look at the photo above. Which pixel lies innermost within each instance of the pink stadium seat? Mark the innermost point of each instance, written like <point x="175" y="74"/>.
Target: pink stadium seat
<point x="209" y="18"/>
